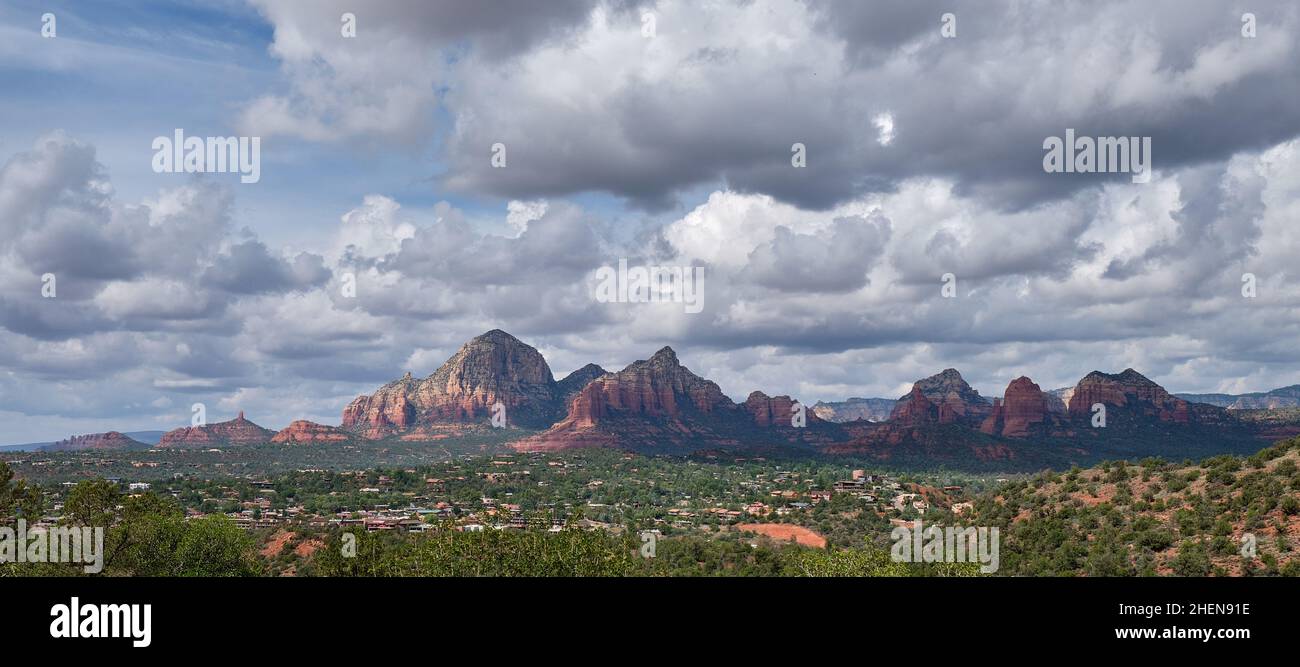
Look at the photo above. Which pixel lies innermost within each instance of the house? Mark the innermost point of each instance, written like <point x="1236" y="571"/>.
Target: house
<point x="902" y="500"/>
<point x="850" y="486"/>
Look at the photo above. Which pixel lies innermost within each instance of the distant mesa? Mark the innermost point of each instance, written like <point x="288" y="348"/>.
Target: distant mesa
<point x="1059" y="399"/>
<point x="855" y="409"/>
<point x="96" y="441"/>
<point x="778" y="411"/>
<point x="1130" y="396"/>
<point x="1277" y="399"/>
<point x="303" y="432"/>
<point x="236" y="432"/>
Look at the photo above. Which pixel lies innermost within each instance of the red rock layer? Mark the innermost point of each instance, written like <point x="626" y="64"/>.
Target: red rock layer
<point x="955" y="400"/>
<point x="775" y="410"/>
<point x="658" y="404"/>
<point x="305" y="432"/>
<point x="1131" y="393"/>
<point x="915" y="409"/>
<point x="659" y="387"/>
<point x="491" y="368"/>
<point x="110" y="440"/>
<point x="1023" y="407"/>
<point x="238" y="431"/>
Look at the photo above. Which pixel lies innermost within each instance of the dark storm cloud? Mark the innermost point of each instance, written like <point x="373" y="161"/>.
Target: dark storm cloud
<point x="872" y="31"/>
<point x="494" y="28"/>
<point x="974" y="109"/>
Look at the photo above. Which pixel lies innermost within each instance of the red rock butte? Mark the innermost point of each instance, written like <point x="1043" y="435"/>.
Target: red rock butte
<point x="489" y="369"/>
<point x="236" y="432"/>
<point x="303" y="432"/>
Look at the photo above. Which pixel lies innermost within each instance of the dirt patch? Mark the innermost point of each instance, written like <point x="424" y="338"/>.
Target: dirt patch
<point x="276" y="544"/>
<point x="307" y="548"/>
<point x="782" y="532"/>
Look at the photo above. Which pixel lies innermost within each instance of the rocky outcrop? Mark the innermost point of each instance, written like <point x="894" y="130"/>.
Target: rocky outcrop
<point x="855" y="409"/>
<point x="387" y="411"/>
<point x="303" y="432"/>
<point x="95" y="441"/>
<point x="659" y="405"/>
<point x="776" y="410"/>
<point x="573" y="383"/>
<point x="1128" y="394"/>
<point x="238" y="432"/>
<point x="491" y="368"/>
<point x="1023" y="409"/>
<point x="657" y="387"/>
<point x="956" y="401"/>
<point x="915" y="409"/>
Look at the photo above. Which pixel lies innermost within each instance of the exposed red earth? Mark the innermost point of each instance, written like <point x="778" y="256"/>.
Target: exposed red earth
<point x="782" y="532"/>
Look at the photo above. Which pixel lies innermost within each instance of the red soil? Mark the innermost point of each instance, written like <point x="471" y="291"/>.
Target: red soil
<point x="785" y="532"/>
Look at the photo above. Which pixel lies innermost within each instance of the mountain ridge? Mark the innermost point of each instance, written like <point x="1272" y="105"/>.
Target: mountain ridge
<point x="658" y="405"/>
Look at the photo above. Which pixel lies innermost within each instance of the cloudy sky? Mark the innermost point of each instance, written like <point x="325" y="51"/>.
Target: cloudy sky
<point x="656" y="132"/>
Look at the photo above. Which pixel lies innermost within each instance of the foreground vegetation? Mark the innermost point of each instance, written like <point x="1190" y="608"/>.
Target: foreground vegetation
<point x="1224" y="516"/>
<point x="150" y="536"/>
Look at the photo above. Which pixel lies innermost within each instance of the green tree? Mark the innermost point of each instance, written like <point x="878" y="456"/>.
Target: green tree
<point x="1192" y="560"/>
<point x="92" y="503"/>
<point x="17" y="498"/>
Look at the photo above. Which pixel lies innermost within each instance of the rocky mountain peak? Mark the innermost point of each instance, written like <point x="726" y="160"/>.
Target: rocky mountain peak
<point x="493" y="367"/>
<point x="956" y="400"/>
<point x="665" y="357"/>
<point x="238" y="431"/>
<point x="1129" y="394"/>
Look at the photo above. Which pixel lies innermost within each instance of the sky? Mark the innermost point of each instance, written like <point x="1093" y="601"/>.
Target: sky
<point x="861" y="184"/>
